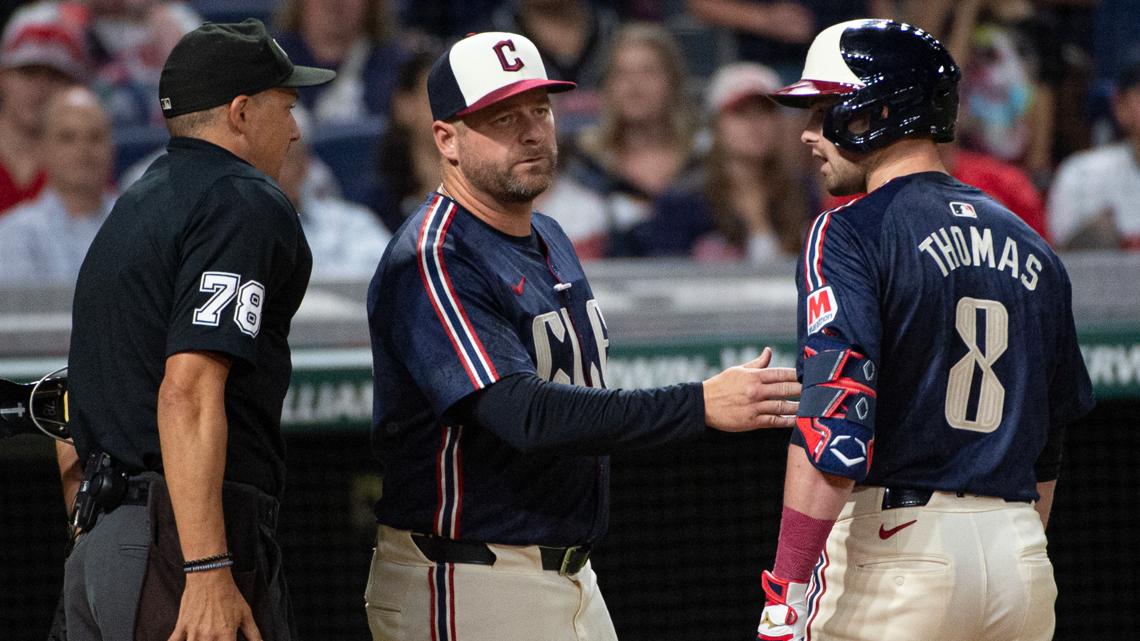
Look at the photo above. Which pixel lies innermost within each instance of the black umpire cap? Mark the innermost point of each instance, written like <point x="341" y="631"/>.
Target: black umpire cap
<point x="216" y="63"/>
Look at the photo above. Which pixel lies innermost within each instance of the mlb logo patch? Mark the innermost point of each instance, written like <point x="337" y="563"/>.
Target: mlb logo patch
<point x="822" y="306"/>
<point x="166" y="104"/>
<point x="963" y="210"/>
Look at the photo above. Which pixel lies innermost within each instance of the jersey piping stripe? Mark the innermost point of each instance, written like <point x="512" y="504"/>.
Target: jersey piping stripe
<point x="465" y="321"/>
<point x="813" y="257"/>
<point x="451" y="614"/>
<point x="441" y="293"/>
<point x="433" y="598"/>
<point x="422" y="253"/>
<point x="449" y="492"/>
<point x="813" y="272"/>
<point x="819" y="587"/>
<point x="441" y="581"/>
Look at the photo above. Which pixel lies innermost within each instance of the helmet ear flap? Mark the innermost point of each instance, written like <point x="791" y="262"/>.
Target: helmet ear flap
<point x="891" y="115"/>
<point x="944" y="112"/>
<point x="837" y="122"/>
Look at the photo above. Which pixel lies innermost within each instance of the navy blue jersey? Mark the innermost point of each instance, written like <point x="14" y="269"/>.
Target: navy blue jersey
<point x="950" y="326"/>
<point x="455" y="306"/>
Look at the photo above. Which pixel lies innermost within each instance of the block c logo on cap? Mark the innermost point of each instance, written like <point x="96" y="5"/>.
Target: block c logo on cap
<point x="500" y="48"/>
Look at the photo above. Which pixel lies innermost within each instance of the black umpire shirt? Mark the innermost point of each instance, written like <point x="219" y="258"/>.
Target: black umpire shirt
<point x="204" y="252"/>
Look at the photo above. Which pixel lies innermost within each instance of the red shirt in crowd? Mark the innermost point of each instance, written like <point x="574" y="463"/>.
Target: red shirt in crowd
<point x="11" y="193"/>
<point x="1006" y="183"/>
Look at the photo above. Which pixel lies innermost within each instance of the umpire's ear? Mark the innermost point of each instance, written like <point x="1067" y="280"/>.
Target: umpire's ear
<point x="446" y="136"/>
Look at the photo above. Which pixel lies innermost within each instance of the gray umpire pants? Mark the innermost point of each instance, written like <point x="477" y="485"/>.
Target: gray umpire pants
<point x="104" y="576"/>
<point x="124" y="580"/>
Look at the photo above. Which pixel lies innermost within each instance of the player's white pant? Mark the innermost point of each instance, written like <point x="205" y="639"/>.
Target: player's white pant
<point x="957" y="569"/>
<point x="410" y="598"/>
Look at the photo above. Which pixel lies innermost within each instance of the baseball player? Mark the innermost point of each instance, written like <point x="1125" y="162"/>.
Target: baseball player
<point x="491" y="416"/>
<point x="939" y="366"/>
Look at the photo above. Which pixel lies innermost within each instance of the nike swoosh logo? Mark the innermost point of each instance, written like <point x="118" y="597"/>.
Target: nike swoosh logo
<point x="518" y="289"/>
<point x="885" y="534"/>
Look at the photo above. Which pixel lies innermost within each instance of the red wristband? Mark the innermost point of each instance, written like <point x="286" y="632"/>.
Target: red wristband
<point x="802" y="539"/>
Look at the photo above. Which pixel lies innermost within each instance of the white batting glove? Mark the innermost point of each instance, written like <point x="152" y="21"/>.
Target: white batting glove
<point x="785" y="610"/>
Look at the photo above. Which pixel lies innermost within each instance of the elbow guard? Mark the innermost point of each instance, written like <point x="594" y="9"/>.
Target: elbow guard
<point x="836" y="419"/>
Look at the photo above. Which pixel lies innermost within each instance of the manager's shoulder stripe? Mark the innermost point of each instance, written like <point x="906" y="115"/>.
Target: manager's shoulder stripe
<point x="445" y="301"/>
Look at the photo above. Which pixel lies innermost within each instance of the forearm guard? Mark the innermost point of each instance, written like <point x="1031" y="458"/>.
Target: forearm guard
<point x="836" y="419"/>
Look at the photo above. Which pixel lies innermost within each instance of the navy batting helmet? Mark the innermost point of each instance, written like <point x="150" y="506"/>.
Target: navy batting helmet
<point x="897" y="76"/>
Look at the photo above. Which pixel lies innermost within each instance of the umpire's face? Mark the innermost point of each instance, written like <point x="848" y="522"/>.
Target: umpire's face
<point x="508" y="150"/>
<point x="269" y="128"/>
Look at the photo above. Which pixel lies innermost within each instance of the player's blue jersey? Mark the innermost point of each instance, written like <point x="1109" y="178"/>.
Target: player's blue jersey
<point x="964" y="314"/>
<point x="455" y="306"/>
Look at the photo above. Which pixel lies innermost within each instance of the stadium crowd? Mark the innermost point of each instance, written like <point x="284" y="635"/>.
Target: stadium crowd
<point x="669" y="148"/>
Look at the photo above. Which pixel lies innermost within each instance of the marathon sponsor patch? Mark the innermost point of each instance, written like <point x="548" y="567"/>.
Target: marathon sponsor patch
<point x="822" y="306"/>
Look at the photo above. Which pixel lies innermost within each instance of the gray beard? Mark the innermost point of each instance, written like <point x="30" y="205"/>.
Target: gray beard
<point x="505" y="187"/>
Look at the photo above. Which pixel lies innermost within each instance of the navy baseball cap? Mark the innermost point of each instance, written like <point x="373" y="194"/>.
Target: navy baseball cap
<point x="483" y="69"/>
<point x="218" y="62"/>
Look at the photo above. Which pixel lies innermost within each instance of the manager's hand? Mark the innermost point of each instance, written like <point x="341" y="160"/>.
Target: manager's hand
<point x="752" y="396"/>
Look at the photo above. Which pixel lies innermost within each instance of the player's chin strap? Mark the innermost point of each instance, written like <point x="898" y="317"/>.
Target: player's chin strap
<point x="39" y="407"/>
<point x="836" y="421"/>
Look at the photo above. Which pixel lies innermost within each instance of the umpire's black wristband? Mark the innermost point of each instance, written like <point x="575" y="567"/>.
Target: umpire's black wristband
<point x="218" y="561"/>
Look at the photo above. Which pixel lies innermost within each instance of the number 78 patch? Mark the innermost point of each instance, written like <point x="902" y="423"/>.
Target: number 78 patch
<point x="225" y="287"/>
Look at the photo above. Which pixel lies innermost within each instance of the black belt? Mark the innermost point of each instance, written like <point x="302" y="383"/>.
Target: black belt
<point x="266" y="507"/>
<point x="896" y="497"/>
<point x="568" y="560"/>
<point x="138" y="491"/>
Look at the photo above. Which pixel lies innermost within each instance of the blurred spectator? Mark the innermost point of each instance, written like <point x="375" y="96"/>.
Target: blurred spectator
<point x="1006" y="183"/>
<point x="571" y="34"/>
<point x="346" y="239"/>
<point x="748" y="202"/>
<point x="776" y="33"/>
<point x="355" y="37"/>
<point x="43" y="241"/>
<point x="643" y="142"/>
<point x="1003" y="47"/>
<point x="1095" y="199"/>
<point x="445" y="20"/>
<point x="130" y="40"/>
<point x="408" y="162"/>
<point x="41" y="52"/>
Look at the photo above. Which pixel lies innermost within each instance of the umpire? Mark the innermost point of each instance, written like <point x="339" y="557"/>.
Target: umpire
<point x="179" y="360"/>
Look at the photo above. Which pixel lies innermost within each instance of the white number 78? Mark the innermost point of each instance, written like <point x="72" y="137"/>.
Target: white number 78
<point x="225" y="287"/>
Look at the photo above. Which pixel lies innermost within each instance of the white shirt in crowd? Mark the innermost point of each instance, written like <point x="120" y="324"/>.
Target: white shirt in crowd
<point x="1091" y="183"/>
<point x="347" y="239"/>
<point x="42" y="244"/>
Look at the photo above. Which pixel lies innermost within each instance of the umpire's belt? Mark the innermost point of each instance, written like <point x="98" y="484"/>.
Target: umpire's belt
<point x="437" y="549"/>
<point x="235" y="497"/>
